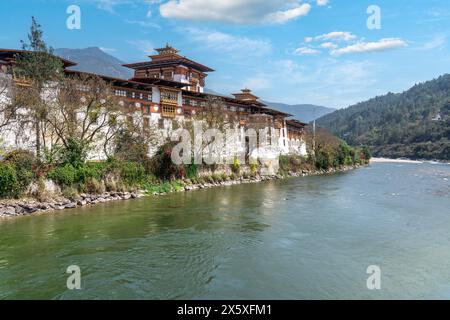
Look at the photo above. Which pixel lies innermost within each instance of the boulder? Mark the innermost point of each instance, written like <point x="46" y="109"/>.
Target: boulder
<point x="7" y="211"/>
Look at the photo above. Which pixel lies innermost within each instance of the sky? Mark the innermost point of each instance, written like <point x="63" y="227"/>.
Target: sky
<point x="333" y="53"/>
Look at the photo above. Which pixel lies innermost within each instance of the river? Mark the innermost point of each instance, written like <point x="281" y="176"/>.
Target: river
<point x="300" y="238"/>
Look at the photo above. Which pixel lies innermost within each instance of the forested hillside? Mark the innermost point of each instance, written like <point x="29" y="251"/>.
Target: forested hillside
<point x="413" y="124"/>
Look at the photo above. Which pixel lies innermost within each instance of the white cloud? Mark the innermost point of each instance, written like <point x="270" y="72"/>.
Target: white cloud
<point x="383" y="44"/>
<point x="322" y="2"/>
<point x="435" y="43"/>
<point x="235" y="11"/>
<point x="285" y="16"/>
<point x="109" y="5"/>
<point x="144" y="24"/>
<point x="303" y="51"/>
<point x="337" y="35"/>
<point x="228" y="43"/>
<point x="329" y="45"/>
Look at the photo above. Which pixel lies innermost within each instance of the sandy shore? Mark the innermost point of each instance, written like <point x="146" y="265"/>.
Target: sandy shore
<point x="376" y="160"/>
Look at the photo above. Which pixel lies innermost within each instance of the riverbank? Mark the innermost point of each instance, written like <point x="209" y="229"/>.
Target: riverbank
<point x="12" y="208"/>
<point x="401" y="160"/>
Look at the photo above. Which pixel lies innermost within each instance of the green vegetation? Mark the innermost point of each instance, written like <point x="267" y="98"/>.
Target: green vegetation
<point x="74" y="174"/>
<point x="414" y="124"/>
<point x="8" y="180"/>
<point x="330" y="152"/>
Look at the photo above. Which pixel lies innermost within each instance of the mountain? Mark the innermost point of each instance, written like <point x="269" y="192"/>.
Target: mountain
<point x="414" y="124"/>
<point x="304" y="112"/>
<point x="95" y="60"/>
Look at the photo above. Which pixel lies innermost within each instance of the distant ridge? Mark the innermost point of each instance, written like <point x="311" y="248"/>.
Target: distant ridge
<point x="304" y="112"/>
<point x="414" y="124"/>
<point x="95" y="60"/>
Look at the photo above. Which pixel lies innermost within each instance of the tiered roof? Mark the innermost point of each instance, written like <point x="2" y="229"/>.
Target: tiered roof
<point x="167" y="57"/>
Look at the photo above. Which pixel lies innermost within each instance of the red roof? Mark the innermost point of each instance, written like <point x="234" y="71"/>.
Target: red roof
<point x="11" y="53"/>
<point x="169" y="62"/>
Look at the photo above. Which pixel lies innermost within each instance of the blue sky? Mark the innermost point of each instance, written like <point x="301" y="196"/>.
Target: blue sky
<point x="316" y="51"/>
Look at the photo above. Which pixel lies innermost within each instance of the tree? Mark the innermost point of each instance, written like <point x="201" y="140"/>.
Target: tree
<point x="7" y="110"/>
<point x="40" y="67"/>
<point x="84" y="114"/>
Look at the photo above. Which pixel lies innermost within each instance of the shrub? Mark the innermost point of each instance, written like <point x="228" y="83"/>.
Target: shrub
<point x="88" y="171"/>
<point x="94" y="186"/>
<point x="235" y="167"/>
<point x="285" y="164"/>
<point x="191" y="170"/>
<point x="366" y="154"/>
<point x="132" y="173"/>
<point x="9" y="185"/>
<point x="164" y="187"/>
<point x="41" y="193"/>
<point x="74" y="153"/>
<point x="64" y="176"/>
<point x="23" y="162"/>
<point x="163" y="166"/>
<point x="323" y="159"/>
<point x="254" y="168"/>
<point x="177" y="186"/>
<point x="69" y="192"/>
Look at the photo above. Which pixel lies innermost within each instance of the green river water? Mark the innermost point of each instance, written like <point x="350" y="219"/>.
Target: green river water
<point x="300" y="238"/>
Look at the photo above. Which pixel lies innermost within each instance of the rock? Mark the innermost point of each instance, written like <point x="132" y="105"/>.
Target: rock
<point x="30" y="208"/>
<point x="70" y="205"/>
<point x="43" y="206"/>
<point x="7" y="211"/>
<point x="19" y="210"/>
<point x="81" y="202"/>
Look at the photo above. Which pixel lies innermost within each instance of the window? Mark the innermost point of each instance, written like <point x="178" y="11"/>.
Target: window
<point x="193" y="103"/>
<point x="120" y="93"/>
<point x="133" y="95"/>
<point x="169" y="97"/>
<point x="168" y="111"/>
<point x="149" y="97"/>
<point x="167" y="75"/>
<point x="141" y="96"/>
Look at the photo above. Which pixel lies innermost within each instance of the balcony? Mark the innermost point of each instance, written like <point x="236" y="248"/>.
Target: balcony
<point x="168" y="111"/>
<point x="169" y="97"/>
